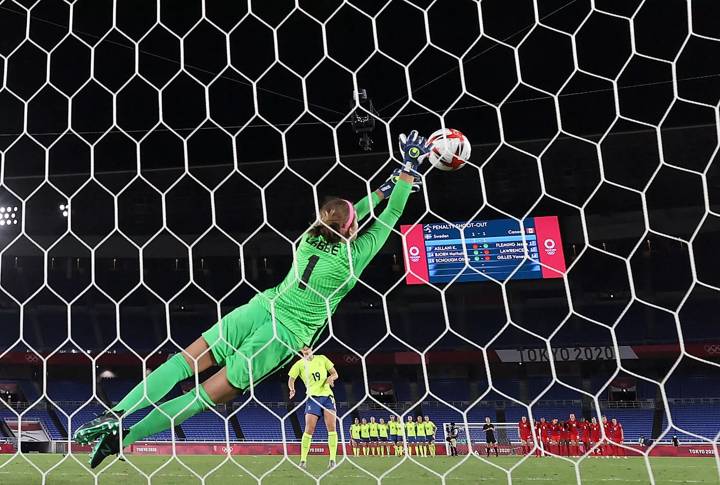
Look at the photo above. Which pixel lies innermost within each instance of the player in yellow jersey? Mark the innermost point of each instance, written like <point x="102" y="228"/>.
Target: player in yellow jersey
<point x="319" y="375"/>
<point x="400" y="438"/>
<point x="373" y="436"/>
<point x="364" y="436"/>
<point x="383" y="437"/>
<point x="410" y="430"/>
<point x="260" y="337"/>
<point x="392" y="432"/>
<point x="420" y="432"/>
<point x="430" y="430"/>
<point x="355" y="437"/>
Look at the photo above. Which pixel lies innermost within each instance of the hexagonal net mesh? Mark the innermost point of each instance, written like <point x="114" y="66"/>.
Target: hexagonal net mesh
<point x="161" y="164"/>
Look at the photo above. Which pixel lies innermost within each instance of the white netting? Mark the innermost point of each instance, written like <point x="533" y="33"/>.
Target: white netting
<point x="101" y="107"/>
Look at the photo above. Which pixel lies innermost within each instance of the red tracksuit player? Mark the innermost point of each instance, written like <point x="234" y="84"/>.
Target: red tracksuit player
<point x="595" y="433"/>
<point x="564" y="449"/>
<point x="555" y="432"/>
<point x="617" y="436"/>
<point x="584" y="428"/>
<point x="541" y="434"/>
<point x="525" y="432"/>
<point x="572" y="436"/>
<point x="605" y="448"/>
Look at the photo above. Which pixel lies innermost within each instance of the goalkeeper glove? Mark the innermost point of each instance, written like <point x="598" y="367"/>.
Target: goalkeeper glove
<point x="389" y="184"/>
<point x="414" y="150"/>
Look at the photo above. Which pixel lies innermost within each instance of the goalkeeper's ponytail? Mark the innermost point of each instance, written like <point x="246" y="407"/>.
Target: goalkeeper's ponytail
<point x="333" y="215"/>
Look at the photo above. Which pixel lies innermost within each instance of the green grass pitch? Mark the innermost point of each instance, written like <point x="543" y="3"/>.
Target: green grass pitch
<point x="217" y="470"/>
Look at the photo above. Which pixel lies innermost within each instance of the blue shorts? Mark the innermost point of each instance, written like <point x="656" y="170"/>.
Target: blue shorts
<point x="383" y="438"/>
<point x="364" y="440"/>
<point x="397" y="438"/>
<point x="421" y="439"/>
<point x="317" y="404"/>
<point x="412" y="439"/>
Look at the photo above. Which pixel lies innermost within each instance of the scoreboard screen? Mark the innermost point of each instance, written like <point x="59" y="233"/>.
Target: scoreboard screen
<point x="436" y="253"/>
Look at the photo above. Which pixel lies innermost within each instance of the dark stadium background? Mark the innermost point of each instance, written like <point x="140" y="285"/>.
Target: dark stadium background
<point x="236" y="149"/>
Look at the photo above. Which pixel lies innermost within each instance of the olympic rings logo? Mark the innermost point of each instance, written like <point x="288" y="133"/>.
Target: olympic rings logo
<point x="712" y="349"/>
<point x="414" y="252"/>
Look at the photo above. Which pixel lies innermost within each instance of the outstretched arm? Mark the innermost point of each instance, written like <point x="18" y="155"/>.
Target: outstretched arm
<point x="365" y="247"/>
<point x="414" y="150"/>
<point x="364" y="205"/>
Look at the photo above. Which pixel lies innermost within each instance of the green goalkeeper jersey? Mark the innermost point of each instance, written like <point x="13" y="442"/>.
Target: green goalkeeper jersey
<point x="321" y="275"/>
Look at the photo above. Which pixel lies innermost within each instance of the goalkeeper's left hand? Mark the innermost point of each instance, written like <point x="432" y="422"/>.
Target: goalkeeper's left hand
<point x="387" y="188"/>
<point x="414" y="150"/>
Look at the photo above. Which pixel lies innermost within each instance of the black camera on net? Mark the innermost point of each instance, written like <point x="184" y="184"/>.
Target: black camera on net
<point x="362" y="119"/>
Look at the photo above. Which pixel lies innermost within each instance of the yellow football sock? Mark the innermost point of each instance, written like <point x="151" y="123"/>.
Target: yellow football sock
<point x="432" y="450"/>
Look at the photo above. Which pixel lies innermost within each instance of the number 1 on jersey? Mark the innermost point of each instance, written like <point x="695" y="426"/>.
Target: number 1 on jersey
<point x="312" y="261"/>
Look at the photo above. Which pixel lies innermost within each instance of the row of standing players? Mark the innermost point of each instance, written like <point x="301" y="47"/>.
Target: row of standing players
<point x="570" y="438"/>
<point x="378" y="438"/>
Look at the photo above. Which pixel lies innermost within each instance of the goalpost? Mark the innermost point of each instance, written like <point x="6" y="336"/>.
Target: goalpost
<point x="114" y="107"/>
<point x="471" y="439"/>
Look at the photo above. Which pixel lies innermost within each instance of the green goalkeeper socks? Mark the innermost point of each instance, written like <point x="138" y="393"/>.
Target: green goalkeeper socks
<point x="159" y="382"/>
<point x="332" y="444"/>
<point x="305" y="446"/>
<point x="160" y="418"/>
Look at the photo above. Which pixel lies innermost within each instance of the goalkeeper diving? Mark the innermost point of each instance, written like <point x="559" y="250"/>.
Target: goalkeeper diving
<point x="275" y="325"/>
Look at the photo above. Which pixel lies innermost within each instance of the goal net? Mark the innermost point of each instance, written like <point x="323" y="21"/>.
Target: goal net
<point x="161" y="161"/>
<point x="471" y="438"/>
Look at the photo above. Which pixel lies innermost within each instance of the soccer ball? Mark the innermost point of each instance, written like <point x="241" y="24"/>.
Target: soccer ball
<point x="450" y="149"/>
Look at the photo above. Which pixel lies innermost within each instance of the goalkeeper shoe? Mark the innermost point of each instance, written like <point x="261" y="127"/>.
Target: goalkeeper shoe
<point x="107" y="445"/>
<point x="331" y="465"/>
<point x="90" y="431"/>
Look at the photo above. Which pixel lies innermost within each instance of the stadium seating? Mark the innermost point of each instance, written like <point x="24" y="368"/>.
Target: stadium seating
<point x="259" y="424"/>
<point x="207" y="426"/>
<point x="35" y="415"/>
<point x="635" y="422"/>
<point x="701" y="419"/>
<point x="450" y="389"/>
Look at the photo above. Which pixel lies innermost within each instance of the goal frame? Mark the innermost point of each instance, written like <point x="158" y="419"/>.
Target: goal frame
<point x="468" y="442"/>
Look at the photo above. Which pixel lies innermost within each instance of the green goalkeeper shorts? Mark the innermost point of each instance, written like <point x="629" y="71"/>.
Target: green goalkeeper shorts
<point x="247" y="333"/>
